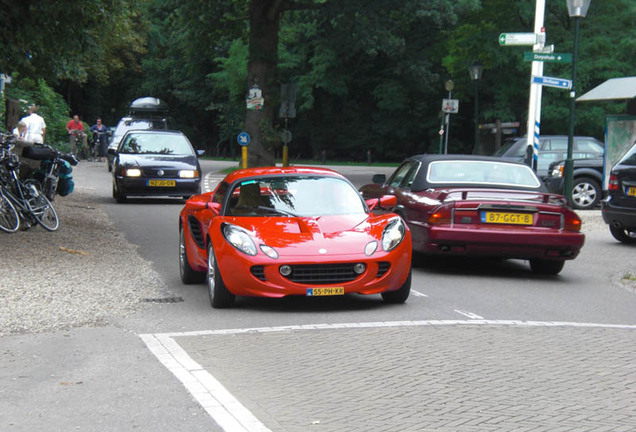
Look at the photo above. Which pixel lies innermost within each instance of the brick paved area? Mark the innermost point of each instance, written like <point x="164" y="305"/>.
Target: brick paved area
<point x="429" y="378"/>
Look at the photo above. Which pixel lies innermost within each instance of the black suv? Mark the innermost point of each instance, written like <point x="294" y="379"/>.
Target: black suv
<point x="144" y="113"/>
<point x="552" y="148"/>
<point x="587" y="180"/>
<point x="619" y="206"/>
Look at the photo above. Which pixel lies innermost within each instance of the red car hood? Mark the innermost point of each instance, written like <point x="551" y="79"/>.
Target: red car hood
<point x="338" y="235"/>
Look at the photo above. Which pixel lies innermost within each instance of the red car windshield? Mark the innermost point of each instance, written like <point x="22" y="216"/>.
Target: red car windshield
<point x="307" y="196"/>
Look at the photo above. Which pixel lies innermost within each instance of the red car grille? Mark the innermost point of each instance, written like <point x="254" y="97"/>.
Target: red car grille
<point x="319" y="274"/>
<point x="258" y="272"/>
<point x="383" y="267"/>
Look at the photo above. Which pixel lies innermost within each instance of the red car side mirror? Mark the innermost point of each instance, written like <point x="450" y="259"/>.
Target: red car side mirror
<point x="205" y="205"/>
<point x="386" y="202"/>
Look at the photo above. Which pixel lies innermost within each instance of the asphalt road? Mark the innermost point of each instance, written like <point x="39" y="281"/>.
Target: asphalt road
<point x="479" y="346"/>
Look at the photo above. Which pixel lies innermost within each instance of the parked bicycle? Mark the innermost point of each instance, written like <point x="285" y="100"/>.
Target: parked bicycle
<point x="9" y="216"/>
<point x="25" y="195"/>
<point x="55" y="170"/>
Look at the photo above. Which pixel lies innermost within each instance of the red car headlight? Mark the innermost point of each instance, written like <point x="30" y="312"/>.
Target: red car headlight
<point x="239" y="238"/>
<point x="393" y="234"/>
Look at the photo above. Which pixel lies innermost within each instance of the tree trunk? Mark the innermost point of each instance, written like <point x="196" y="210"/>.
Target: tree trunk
<point x="261" y="71"/>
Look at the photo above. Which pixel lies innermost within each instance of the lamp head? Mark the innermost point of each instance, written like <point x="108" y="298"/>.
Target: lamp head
<point x="578" y="8"/>
<point x="475" y="70"/>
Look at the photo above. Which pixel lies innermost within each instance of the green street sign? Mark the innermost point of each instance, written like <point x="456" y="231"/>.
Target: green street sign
<point x="507" y="39"/>
<point x="545" y="57"/>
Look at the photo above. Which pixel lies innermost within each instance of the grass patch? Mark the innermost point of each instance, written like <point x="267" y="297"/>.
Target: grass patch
<point x="629" y="277"/>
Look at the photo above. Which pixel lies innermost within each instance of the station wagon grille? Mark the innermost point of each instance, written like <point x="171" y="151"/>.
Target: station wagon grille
<point x="165" y="173"/>
<point x="319" y="274"/>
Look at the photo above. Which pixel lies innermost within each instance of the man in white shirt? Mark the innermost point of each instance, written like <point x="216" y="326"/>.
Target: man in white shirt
<point x="36" y="127"/>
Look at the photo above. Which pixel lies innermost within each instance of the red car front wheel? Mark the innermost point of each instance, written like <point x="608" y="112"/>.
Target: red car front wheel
<point x="220" y="297"/>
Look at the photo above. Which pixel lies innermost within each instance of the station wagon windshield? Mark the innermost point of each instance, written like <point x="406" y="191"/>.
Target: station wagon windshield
<point x="156" y="144"/>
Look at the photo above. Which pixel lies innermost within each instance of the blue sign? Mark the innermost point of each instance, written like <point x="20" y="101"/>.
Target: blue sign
<point x="243" y="138"/>
<point x="552" y="82"/>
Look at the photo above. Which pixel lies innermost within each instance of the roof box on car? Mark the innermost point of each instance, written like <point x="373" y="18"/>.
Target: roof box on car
<point x="148" y="105"/>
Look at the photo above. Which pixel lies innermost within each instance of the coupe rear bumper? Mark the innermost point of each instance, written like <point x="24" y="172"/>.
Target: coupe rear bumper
<point x="535" y="244"/>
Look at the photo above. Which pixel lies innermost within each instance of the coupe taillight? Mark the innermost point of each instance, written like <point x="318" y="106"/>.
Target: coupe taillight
<point x="441" y="215"/>
<point x="613" y="182"/>
<point x="572" y="222"/>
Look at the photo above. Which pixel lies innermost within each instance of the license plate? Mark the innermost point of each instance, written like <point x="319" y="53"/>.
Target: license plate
<point x="630" y="190"/>
<point x="507" y="218"/>
<point x="162" y="183"/>
<point x="331" y="291"/>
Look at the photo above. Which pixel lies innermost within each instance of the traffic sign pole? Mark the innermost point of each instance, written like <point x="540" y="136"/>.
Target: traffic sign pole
<point x="243" y="139"/>
<point x="534" y="103"/>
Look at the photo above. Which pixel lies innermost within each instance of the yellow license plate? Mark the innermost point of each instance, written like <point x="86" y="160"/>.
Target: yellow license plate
<point x="331" y="291"/>
<point x="507" y="218"/>
<point x="631" y="191"/>
<point x="162" y="183"/>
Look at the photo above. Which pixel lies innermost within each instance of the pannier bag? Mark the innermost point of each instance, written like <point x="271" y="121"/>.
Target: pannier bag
<point x="37" y="153"/>
<point x="65" y="185"/>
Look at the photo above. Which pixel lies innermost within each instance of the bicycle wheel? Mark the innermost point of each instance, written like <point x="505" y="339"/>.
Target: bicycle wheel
<point x="9" y="217"/>
<point x="41" y="208"/>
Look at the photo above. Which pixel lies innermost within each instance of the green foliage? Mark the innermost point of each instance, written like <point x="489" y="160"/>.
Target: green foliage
<point x="69" y="40"/>
<point x="607" y="37"/>
<point x="53" y="108"/>
<point x="370" y="75"/>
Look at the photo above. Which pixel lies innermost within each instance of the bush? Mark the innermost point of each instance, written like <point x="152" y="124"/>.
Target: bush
<point x="53" y="108"/>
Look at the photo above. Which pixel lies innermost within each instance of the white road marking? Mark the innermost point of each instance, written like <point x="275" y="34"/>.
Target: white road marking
<point x="418" y="294"/>
<point x="224" y="408"/>
<point x="211" y="180"/>
<point x="469" y="314"/>
<point x="231" y="415"/>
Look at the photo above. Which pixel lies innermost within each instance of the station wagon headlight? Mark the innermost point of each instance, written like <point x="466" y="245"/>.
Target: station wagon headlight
<point x="189" y="174"/>
<point x="393" y="234"/>
<point x="133" y="172"/>
<point x="239" y="238"/>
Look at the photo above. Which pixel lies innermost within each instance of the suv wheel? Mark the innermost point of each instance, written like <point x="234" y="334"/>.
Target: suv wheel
<point x="586" y="193"/>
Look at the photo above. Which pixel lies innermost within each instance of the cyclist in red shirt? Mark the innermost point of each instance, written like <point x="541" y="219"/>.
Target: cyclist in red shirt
<point x="76" y="128"/>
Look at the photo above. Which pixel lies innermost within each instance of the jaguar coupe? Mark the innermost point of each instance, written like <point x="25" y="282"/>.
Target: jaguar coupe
<point x="481" y="206"/>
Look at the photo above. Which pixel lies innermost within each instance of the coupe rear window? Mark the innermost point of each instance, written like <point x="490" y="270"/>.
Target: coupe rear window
<point x="483" y="173"/>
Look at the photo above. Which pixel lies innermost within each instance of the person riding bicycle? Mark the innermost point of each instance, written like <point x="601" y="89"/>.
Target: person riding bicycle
<point x="75" y="129"/>
<point x="100" y="139"/>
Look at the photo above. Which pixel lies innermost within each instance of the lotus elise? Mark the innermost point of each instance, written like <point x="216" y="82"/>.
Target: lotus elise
<point x="292" y="231"/>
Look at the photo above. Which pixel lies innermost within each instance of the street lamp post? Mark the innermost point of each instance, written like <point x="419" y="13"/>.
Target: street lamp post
<point x="577" y="9"/>
<point x="475" y="71"/>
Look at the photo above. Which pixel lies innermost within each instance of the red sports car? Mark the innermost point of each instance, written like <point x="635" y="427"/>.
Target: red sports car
<point x="481" y="206"/>
<point x="275" y="232"/>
